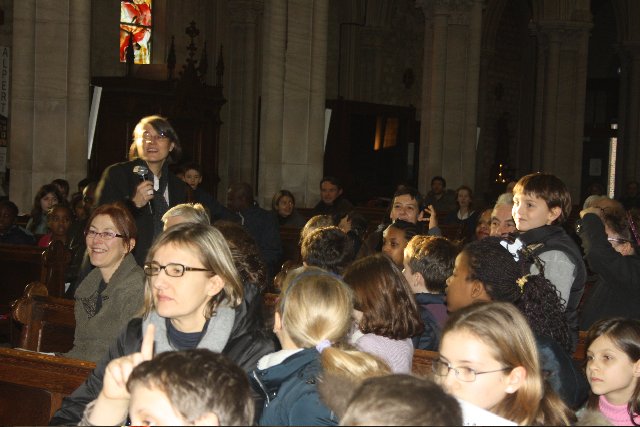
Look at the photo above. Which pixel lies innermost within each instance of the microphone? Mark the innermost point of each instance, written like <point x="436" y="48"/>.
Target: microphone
<point x="143" y="172"/>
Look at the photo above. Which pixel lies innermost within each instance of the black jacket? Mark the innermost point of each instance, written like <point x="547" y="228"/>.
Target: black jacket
<point x="617" y="290"/>
<point x="119" y="183"/>
<point x="247" y="344"/>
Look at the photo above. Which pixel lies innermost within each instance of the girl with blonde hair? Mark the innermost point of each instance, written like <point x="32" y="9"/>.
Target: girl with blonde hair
<point x="312" y="319"/>
<point x="497" y="368"/>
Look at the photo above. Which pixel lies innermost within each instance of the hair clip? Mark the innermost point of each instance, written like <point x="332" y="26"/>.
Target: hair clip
<point x="521" y="282"/>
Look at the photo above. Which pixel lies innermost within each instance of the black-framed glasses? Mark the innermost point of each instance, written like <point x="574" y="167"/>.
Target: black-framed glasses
<point x="172" y="269"/>
<point x="147" y="137"/>
<point x="468" y="375"/>
<point x="105" y="235"/>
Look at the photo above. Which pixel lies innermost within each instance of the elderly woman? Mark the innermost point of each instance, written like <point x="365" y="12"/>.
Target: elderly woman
<point x="145" y="184"/>
<point x="114" y="291"/>
<point x="193" y="299"/>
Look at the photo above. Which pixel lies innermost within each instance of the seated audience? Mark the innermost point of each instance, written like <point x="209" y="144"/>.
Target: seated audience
<point x="312" y="319"/>
<point x="259" y="222"/>
<point x="613" y="369"/>
<point x="610" y="251"/>
<point x="401" y="400"/>
<point x="193" y="177"/>
<point x="466" y="217"/>
<point x="502" y="223"/>
<point x="44" y="199"/>
<point x="483" y="226"/>
<point x="191" y="294"/>
<point x="386" y="315"/>
<point x="407" y="206"/>
<point x="488" y="357"/>
<point x="315" y="222"/>
<point x="631" y="197"/>
<point x="193" y="213"/>
<point x="442" y="199"/>
<point x="328" y="248"/>
<point x="283" y="206"/>
<point x="428" y="263"/>
<point x="355" y="225"/>
<point x="486" y="271"/>
<point x="10" y="233"/>
<point x="59" y="219"/>
<point x="332" y="201"/>
<point x="191" y="387"/>
<point x="395" y="238"/>
<point x="113" y="292"/>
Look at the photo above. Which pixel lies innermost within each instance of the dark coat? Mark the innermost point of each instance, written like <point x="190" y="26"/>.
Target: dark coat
<point x="119" y="183"/>
<point x="339" y="206"/>
<point x="290" y="392"/>
<point x="433" y="312"/>
<point x="245" y="347"/>
<point x="17" y="236"/>
<point x="617" y="291"/>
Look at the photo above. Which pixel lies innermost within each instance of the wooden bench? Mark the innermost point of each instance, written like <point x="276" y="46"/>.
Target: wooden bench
<point x="32" y="385"/>
<point x="48" y="323"/>
<point x="422" y="363"/>
<point x="290" y="238"/>
<point x="581" y="351"/>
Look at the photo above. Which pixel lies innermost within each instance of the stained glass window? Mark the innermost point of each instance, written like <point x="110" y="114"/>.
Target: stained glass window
<point x="135" y="28"/>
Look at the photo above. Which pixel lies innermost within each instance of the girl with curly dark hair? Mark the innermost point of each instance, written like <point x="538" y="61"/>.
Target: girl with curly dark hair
<point x="486" y="271"/>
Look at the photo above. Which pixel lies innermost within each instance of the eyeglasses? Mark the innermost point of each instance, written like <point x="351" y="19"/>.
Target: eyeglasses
<point x="173" y="270"/>
<point x="617" y="240"/>
<point x="147" y="137"/>
<point x="468" y="375"/>
<point x="105" y="235"/>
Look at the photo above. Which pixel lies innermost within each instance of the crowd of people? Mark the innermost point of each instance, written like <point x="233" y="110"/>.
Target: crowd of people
<point x="169" y="291"/>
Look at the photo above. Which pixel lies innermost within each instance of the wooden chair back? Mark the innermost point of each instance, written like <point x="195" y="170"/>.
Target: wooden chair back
<point x="32" y="385"/>
<point x="581" y="350"/>
<point x="422" y="363"/>
<point x="48" y="323"/>
<point x="290" y="237"/>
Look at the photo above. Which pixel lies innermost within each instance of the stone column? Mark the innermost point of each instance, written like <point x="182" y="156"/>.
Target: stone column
<point x="450" y="91"/>
<point x="560" y="100"/>
<point x="242" y="96"/>
<point x="293" y="111"/>
<point x="50" y="98"/>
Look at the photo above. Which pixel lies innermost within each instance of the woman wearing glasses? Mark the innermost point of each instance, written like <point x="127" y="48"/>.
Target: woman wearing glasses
<point x="193" y="299"/>
<point x="114" y="291"/>
<point x="496" y="367"/>
<point x="145" y="183"/>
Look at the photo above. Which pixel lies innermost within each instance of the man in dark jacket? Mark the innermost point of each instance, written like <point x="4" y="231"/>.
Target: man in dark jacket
<point x="260" y="223"/>
<point x="332" y="202"/>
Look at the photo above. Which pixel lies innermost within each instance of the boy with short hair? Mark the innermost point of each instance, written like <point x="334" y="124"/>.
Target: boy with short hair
<point x="193" y="177"/>
<point x="10" y="233"/>
<point x="428" y="262"/>
<point x="541" y="203"/>
<point x="190" y="387"/>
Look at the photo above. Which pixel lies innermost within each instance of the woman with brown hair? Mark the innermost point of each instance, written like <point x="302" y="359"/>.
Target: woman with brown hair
<point x="385" y="311"/>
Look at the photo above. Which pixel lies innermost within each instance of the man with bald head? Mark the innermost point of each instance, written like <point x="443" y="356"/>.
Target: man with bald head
<point x="260" y="223"/>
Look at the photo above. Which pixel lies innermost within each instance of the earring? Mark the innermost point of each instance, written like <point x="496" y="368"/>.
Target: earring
<point x="509" y="390"/>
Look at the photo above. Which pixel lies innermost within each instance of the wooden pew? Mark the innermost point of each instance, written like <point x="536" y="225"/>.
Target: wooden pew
<point x="32" y="385"/>
<point x="422" y="363"/>
<point x="48" y="323"/>
<point x="290" y="238"/>
<point x="581" y="351"/>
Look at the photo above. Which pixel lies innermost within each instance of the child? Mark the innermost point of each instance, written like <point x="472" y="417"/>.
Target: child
<point x="190" y="387"/>
<point x="541" y="203"/>
<point x="385" y="311"/>
<point x="328" y="248"/>
<point x="45" y="198"/>
<point x="59" y="220"/>
<point x="395" y="238"/>
<point x="193" y="177"/>
<point x="312" y="318"/>
<point x="613" y="369"/>
<point x="10" y="233"/>
<point x="495" y="367"/>
<point x="428" y="263"/>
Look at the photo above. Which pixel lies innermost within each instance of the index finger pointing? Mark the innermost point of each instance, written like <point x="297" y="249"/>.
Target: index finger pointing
<point x="147" y="343"/>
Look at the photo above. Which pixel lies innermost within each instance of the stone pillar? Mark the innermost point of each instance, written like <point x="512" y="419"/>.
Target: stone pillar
<point x="240" y="60"/>
<point x="293" y="107"/>
<point x="50" y="95"/>
<point x="560" y="100"/>
<point x="450" y="91"/>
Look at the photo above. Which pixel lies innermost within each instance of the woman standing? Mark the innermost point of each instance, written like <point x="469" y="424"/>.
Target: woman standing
<point x="113" y="292"/>
<point x="145" y="183"/>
